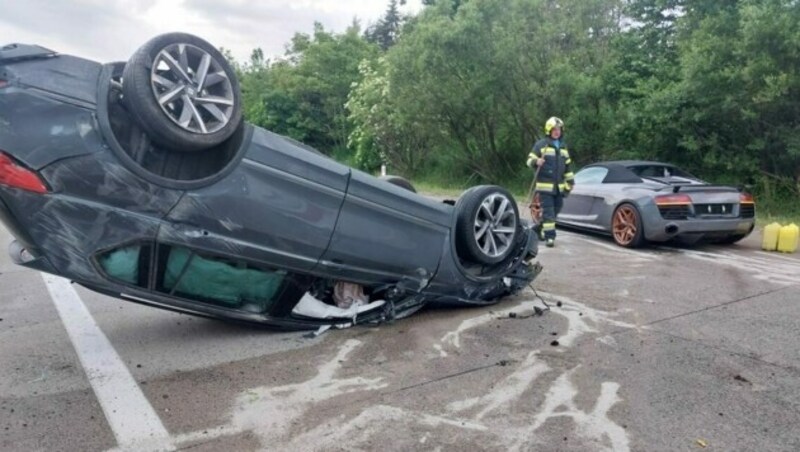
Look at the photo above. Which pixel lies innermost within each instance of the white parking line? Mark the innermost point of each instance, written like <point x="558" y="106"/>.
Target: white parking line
<point x="135" y="424"/>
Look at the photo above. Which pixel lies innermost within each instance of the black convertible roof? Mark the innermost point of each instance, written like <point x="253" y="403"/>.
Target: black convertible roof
<point x="631" y="163"/>
<point x="619" y="171"/>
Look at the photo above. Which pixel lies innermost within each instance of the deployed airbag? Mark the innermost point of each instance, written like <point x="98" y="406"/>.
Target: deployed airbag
<point x="191" y="274"/>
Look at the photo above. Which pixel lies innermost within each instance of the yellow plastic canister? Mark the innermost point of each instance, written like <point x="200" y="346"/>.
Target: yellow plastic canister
<point x="787" y="238"/>
<point x="770" y="240"/>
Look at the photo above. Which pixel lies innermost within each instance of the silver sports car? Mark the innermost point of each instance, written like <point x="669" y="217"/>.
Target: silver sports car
<point x="639" y="201"/>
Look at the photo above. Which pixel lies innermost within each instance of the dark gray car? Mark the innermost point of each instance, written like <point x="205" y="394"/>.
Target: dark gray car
<point x="140" y="180"/>
<point x="639" y="201"/>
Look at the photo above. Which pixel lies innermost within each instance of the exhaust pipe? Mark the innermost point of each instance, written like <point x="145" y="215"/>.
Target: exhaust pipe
<point x="671" y="229"/>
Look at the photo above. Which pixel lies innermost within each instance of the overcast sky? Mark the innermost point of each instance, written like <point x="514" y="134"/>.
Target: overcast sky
<point x="111" y="30"/>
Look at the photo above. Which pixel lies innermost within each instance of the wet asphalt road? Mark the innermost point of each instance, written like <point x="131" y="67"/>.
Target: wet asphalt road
<point x="658" y="349"/>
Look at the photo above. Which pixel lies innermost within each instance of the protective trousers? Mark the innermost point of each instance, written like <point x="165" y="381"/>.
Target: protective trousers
<point x="551" y="206"/>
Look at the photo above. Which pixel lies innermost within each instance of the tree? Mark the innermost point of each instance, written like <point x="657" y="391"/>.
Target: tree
<point x="381" y="132"/>
<point x="387" y="30"/>
<point x="487" y="76"/>
<point x="303" y="95"/>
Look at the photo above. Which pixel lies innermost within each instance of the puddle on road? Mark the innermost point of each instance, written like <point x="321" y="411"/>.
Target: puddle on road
<point x="760" y="265"/>
<point x="775" y="269"/>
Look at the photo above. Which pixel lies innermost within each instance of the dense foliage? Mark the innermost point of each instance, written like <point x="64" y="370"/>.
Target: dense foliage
<point x="458" y="93"/>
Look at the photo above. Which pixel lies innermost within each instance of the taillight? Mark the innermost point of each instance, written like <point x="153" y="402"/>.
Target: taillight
<point x="14" y="175"/>
<point x="746" y="198"/>
<point x="3" y="83"/>
<point x="673" y="200"/>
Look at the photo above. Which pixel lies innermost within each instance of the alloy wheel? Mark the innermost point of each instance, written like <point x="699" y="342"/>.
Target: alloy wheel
<point x="192" y="88"/>
<point x="625" y="225"/>
<point x="495" y="225"/>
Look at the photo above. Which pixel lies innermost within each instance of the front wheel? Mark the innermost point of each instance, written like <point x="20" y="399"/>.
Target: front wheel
<point x="487" y="226"/>
<point x="626" y="226"/>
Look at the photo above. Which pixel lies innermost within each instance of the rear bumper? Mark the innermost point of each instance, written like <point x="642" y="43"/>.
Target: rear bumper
<point x="24" y="257"/>
<point x="22" y="250"/>
<point x="658" y="229"/>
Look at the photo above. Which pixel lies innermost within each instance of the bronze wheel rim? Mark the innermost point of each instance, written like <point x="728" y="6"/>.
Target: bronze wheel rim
<point x="625" y="225"/>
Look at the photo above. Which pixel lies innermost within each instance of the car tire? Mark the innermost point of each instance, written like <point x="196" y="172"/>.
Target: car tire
<point x="487" y="225"/>
<point x="626" y="226"/>
<point x="182" y="92"/>
<point x="400" y="182"/>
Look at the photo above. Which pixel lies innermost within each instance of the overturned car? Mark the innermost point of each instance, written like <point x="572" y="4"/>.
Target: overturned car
<point x="140" y="180"/>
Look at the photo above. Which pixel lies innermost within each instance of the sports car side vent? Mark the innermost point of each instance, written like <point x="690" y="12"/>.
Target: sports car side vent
<point x="14" y="175"/>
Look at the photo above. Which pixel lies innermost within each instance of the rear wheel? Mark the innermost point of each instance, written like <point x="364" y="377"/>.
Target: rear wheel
<point x="626" y="226"/>
<point x="487" y="226"/>
<point x="182" y="92"/>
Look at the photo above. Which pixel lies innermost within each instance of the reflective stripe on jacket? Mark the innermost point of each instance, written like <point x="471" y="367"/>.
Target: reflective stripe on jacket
<point x="557" y="168"/>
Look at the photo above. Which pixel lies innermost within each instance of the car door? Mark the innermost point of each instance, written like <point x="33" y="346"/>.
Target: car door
<point x="588" y="188"/>
<point x="386" y="233"/>
<point x="278" y="207"/>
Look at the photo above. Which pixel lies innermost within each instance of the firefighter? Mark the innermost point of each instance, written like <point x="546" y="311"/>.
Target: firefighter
<point x="556" y="179"/>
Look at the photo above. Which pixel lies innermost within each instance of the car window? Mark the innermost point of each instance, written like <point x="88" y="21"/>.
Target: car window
<point x="218" y="280"/>
<point x="659" y="171"/>
<point x="128" y="264"/>
<point x="593" y="175"/>
<point x="677" y="172"/>
<point x="650" y="171"/>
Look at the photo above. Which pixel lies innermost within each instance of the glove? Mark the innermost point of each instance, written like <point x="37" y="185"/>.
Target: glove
<point x="569" y="189"/>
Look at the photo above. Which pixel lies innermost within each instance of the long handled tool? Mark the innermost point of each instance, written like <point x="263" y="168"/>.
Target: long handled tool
<point x="534" y="203"/>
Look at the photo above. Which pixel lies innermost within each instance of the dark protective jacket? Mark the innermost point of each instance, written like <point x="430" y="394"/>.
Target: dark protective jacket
<point x="556" y="171"/>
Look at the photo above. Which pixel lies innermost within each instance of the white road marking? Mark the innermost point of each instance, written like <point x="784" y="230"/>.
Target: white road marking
<point x="135" y="424"/>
